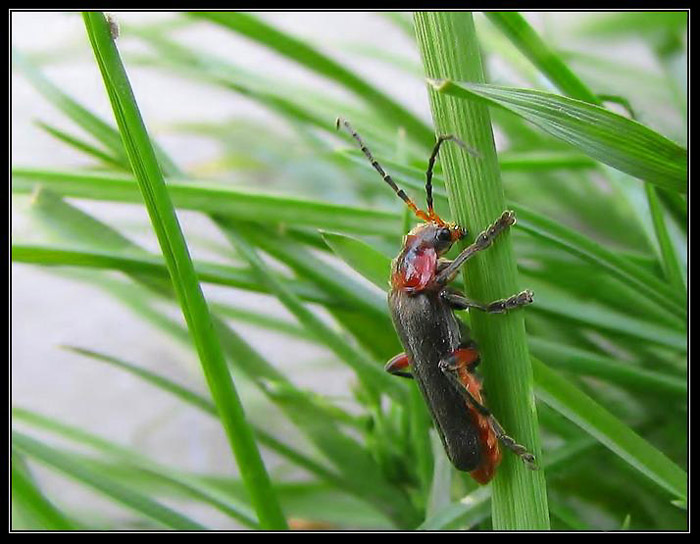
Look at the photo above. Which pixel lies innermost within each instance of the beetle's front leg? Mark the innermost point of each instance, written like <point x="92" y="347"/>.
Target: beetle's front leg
<point x="458" y="301"/>
<point x="463" y="359"/>
<point x="442" y="264"/>
<point x="483" y="241"/>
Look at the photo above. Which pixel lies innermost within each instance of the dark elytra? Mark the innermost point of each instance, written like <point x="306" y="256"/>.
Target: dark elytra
<point x="429" y="332"/>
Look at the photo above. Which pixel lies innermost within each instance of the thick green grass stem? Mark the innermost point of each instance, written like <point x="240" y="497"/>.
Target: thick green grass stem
<point x="450" y="50"/>
<point x="143" y="161"/>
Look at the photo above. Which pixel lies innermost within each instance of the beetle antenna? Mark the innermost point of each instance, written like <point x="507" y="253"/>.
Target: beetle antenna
<point x="431" y="165"/>
<point x="386" y="177"/>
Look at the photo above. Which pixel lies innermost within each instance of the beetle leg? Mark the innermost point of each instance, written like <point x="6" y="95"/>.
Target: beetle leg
<point x="398" y="364"/>
<point x="483" y="241"/>
<point x="442" y="265"/>
<point x="458" y="301"/>
<point x="450" y="367"/>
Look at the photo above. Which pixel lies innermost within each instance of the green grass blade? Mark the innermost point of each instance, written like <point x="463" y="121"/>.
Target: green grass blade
<point x="264" y="321"/>
<point x="620" y="25"/>
<point x="72" y="467"/>
<point x="531" y="45"/>
<point x="369" y="372"/>
<point x="297" y="50"/>
<point x="130" y="458"/>
<point x="449" y="49"/>
<point x="62" y="221"/>
<point x="560" y="303"/>
<point x="104" y="157"/>
<point x="608" y="430"/>
<point x="243" y="204"/>
<point x="65" y="218"/>
<point x="523" y="36"/>
<point x="147" y="266"/>
<point x="182" y="393"/>
<point x="578" y="361"/>
<point x="370" y="263"/>
<point x="543" y="160"/>
<point x="669" y="257"/>
<point x="475" y="507"/>
<point x="370" y="314"/>
<point x="147" y="171"/>
<point x="677" y="207"/>
<point x="656" y="290"/>
<point x="88" y="121"/>
<point x="606" y="136"/>
<point x="35" y="506"/>
<point x="354" y="478"/>
<point x="306" y="265"/>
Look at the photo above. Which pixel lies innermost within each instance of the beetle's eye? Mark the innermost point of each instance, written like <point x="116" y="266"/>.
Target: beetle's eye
<point x="444" y="235"/>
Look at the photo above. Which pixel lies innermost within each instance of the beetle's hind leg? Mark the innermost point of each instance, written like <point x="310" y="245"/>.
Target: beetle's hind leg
<point x="398" y="366"/>
<point x="512" y="445"/>
<point x="463" y="359"/>
<point x="458" y="301"/>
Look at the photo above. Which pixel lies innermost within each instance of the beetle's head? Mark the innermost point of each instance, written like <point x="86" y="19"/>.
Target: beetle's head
<point x="437" y="235"/>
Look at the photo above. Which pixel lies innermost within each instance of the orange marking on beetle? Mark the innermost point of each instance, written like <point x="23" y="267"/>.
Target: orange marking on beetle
<point x="398" y="363"/>
<point x="490" y="452"/>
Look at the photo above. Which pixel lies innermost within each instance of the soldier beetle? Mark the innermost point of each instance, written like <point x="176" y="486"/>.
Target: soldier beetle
<point x="439" y="353"/>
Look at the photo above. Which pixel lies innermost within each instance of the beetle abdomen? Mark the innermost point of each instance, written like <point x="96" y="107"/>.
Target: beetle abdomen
<point x="430" y="332"/>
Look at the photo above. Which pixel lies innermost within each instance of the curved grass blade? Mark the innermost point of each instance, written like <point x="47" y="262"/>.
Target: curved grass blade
<point x="370" y="263"/>
<point x="669" y="258"/>
<point x="526" y="39"/>
<point x="72" y="467"/>
<point x="147" y="171"/>
<point x="299" y="51"/>
<point x="580" y="245"/>
<point x="246" y="205"/>
<point x="182" y="483"/>
<point x="293" y="103"/>
<point x="578" y="407"/>
<point x="368" y="322"/>
<point x="354" y="476"/>
<point x="519" y="31"/>
<point x="606" y="136"/>
<point x="583" y="362"/>
<point x="306" y="265"/>
<point x="560" y="303"/>
<point x="67" y="221"/>
<point x="371" y="374"/>
<point x="476" y="506"/>
<point x="36" y="508"/>
<point x="214" y="198"/>
<point x="192" y="64"/>
<point x="151" y="266"/>
<point x="104" y="157"/>
<point x="88" y="121"/>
